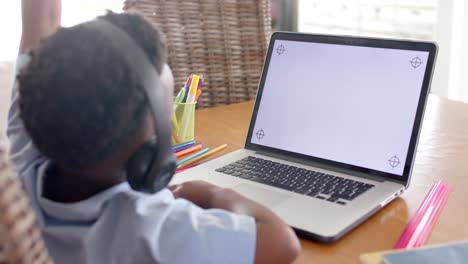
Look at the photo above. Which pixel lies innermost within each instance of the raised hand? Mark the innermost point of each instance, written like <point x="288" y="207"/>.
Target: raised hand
<point x="40" y="19"/>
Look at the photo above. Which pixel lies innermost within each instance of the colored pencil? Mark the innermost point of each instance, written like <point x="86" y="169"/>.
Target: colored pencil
<point x="188" y="150"/>
<point x="186" y="167"/>
<point x="196" y="154"/>
<point x="187" y="86"/>
<point x="187" y="114"/>
<point x="181" y="145"/>
<point x="198" y="94"/>
<point x="205" y="155"/>
<point x="409" y="229"/>
<point x="421" y="234"/>
<point x="193" y="88"/>
<point x="200" y="83"/>
<point x="180" y="95"/>
<point x="187" y="83"/>
<point x="417" y="232"/>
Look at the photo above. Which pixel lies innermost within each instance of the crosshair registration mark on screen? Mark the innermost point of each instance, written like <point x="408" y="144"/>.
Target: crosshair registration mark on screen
<point x="260" y="134"/>
<point x="280" y="50"/>
<point x="416" y="62"/>
<point x="394" y="161"/>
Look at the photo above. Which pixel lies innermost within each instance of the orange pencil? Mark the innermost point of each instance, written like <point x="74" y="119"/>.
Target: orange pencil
<point x="202" y="156"/>
<point x="198" y="94"/>
<point x="188" y="150"/>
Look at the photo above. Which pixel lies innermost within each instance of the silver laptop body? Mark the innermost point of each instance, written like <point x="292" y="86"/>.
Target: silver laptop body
<point x="333" y="133"/>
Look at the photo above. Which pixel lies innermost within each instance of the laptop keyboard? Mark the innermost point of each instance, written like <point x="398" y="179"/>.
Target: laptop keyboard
<point x="308" y="182"/>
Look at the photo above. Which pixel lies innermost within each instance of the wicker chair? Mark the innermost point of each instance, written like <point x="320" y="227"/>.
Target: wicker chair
<point x="225" y="40"/>
<point x="20" y="239"/>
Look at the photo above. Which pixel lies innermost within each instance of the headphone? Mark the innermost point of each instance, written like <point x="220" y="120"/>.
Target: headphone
<point x="151" y="167"/>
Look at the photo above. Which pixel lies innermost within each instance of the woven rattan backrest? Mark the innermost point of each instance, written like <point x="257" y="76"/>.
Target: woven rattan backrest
<point x="225" y="40"/>
<point x="20" y="239"/>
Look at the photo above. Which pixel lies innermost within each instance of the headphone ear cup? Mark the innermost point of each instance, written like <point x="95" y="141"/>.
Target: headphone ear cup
<point x="139" y="165"/>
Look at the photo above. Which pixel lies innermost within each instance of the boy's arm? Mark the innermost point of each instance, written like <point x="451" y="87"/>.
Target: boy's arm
<point x="40" y="19"/>
<point x="275" y="241"/>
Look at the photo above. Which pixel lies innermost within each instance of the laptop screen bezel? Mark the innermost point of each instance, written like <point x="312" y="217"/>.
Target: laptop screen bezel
<point x="361" y="42"/>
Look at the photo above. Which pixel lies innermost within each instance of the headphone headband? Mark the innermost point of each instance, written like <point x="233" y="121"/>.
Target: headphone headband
<point x="162" y="167"/>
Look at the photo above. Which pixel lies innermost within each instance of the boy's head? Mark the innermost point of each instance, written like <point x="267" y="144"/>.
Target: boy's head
<point x="81" y="103"/>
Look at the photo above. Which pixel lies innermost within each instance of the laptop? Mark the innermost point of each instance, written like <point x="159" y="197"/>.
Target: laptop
<point x="333" y="133"/>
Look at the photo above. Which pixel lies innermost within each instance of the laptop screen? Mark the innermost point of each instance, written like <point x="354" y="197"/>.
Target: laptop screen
<point x="349" y="104"/>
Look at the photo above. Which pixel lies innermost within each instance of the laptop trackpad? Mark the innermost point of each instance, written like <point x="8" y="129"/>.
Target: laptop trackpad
<point x="264" y="197"/>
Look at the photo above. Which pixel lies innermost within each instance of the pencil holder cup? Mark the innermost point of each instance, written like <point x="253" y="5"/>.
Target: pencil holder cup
<point x="183" y="122"/>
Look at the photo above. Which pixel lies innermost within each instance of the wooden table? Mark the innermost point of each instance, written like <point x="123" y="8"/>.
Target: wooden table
<point x="442" y="154"/>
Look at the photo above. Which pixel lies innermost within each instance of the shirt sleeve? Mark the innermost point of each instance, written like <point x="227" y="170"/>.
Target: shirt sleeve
<point x="190" y="234"/>
<point x="22" y="151"/>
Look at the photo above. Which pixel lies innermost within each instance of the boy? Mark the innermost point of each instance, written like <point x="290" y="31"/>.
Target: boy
<point x="75" y="119"/>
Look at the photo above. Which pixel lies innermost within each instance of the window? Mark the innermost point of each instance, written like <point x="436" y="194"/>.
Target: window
<point x="445" y="22"/>
<point x="73" y="12"/>
<point x="409" y="19"/>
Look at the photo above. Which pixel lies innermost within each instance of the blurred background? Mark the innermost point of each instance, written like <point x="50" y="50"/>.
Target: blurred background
<point x="443" y="21"/>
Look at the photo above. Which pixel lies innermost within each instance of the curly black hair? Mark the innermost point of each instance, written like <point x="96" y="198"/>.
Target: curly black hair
<point x="79" y="100"/>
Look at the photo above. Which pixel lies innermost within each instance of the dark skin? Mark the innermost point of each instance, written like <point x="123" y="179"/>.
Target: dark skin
<point x="275" y="241"/>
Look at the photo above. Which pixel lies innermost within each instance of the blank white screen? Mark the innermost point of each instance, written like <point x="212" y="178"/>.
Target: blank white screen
<point x="349" y="104"/>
